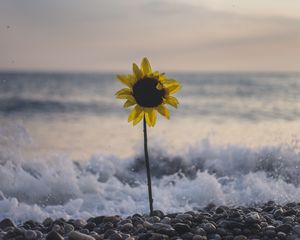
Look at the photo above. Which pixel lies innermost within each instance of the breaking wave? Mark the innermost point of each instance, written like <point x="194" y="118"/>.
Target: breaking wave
<point x="57" y="186"/>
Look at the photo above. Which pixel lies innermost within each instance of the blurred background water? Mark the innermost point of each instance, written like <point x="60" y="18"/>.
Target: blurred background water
<point x="233" y="140"/>
<point x="77" y="113"/>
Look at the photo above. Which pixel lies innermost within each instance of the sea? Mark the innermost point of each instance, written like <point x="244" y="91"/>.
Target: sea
<point x="67" y="150"/>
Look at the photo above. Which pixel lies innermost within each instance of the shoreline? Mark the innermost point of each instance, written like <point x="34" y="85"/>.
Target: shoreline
<point x="264" y="221"/>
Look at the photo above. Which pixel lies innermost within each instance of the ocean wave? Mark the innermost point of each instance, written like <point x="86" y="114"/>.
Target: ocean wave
<point x="58" y="186"/>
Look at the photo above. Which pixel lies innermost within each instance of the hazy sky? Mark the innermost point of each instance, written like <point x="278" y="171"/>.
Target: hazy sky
<point x="182" y="35"/>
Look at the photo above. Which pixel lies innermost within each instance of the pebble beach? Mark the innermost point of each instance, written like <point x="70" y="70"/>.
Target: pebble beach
<point x="267" y="221"/>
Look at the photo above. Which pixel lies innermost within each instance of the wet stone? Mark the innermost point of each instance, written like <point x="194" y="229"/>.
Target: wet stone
<point x="112" y="219"/>
<point x="68" y="228"/>
<point x="296" y="229"/>
<point x="281" y="235"/>
<point x="209" y="228"/>
<point x="278" y="213"/>
<point x="181" y="228"/>
<point x="157" y="236"/>
<point x="166" y="220"/>
<point x="6" y="223"/>
<point x="158" y="213"/>
<point x="199" y="237"/>
<point x="30" y="235"/>
<point x="184" y="216"/>
<point x="54" y="236"/>
<point x="286" y="228"/>
<point x="240" y="237"/>
<point x="79" y="236"/>
<point x="144" y="236"/>
<point x="187" y="236"/>
<point x="214" y="237"/>
<point x="252" y="218"/>
<point x="84" y="231"/>
<point x="90" y="226"/>
<point x="127" y="227"/>
<point x="154" y="219"/>
<point x="79" y="223"/>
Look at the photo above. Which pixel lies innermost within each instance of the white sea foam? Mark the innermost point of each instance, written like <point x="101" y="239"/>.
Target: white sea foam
<point x="58" y="186"/>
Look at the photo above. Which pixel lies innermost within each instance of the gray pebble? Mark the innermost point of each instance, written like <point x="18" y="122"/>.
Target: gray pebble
<point x="199" y="237"/>
<point x="6" y="223"/>
<point x="30" y="235"/>
<point x="184" y="216"/>
<point x="182" y="228"/>
<point x="240" y="237"/>
<point x="286" y="228"/>
<point x="209" y="228"/>
<point x="166" y="220"/>
<point x="252" y="218"/>
<point x="54" y="236"/>
<point x="68" y="228"/>
<point x="79" y="236"/>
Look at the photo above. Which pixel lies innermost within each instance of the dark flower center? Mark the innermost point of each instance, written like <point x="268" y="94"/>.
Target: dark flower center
<point x="146" y="93"/>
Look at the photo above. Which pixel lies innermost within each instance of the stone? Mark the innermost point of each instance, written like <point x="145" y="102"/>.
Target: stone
<point x="48" y="222"/>
<point x="200" y="231"/>
<point x="127" y="227"/>
<point x="209" y="228"/>
<point x="6" y="223"/>
<point x="166" y="220"/>
<point x="158" y="213"/>
<point x="199" y="237"/>
<point x="157" y="236"/>
<point x="90" y="226"/>
<point x="281" y="235"/>
<point x="144" y="236"/>
<point x="187" y="236"/>
<point x="84" y="231"/>
<point x="115" y="236"/>
<point x="79" y="236"/>
<point x="214" y="237"/>
<point x="154" y="219"/>
<point x="156" y="226"/>
<point x="68" y="228"/>
<point x="296" y="229"/>
<point x="54" y="236"/>
<point x="30" y="235"/>
<point x="286" y="228"/>
<point x="278" y="213"/>
<point x="240" y="237"/>
<point x="184" y="216"/>
<point x="252" y="218"/>
<point x="112" y="219"/>
<point x="182" y="228"/>
<point x="79" y="223"/>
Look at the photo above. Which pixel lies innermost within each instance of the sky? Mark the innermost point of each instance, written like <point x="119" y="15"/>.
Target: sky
<point x="176" y="35"/>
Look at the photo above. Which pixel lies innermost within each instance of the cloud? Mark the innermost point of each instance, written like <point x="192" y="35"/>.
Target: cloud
<point x="103" y="35"/>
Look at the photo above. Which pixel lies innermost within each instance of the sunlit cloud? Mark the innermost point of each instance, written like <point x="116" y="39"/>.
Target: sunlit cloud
<point x="177" y="35"/>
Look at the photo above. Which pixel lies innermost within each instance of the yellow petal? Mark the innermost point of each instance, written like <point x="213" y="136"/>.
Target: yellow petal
<point x="172" y="101"/>
<point x="137" y="72"/>
<point x="129" y="103"/>
<point x="159" y="86"/>
<point x="138" y="118"/>
<point x="127" y="80"/>
<point x="150" y="115"/>
<point x="124" y="93"/>
<point x="145" y="66"/>
<point x="135" y="112"/>
<point x="173" y="87"/>
<point x="167" y="80"/>
<point x="163" y="110"/>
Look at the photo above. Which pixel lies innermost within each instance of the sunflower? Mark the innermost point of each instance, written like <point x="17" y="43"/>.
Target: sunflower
<point x="148" y="92"/>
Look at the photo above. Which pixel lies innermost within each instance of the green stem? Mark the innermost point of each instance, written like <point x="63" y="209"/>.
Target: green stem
<point x="148" y="169"/>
